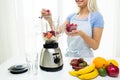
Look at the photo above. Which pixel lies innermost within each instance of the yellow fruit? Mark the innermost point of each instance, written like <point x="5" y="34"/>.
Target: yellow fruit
<point x="73" y="73"/>
<point x="85" y="70"/>
<point x="100" y="62"/>
<point x="113" y="62"/>
<point x="89" y="76"/>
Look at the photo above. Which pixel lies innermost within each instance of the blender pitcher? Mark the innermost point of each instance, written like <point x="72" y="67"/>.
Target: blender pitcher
<point x="50" y="33"/>
<point x="51" y="56"/>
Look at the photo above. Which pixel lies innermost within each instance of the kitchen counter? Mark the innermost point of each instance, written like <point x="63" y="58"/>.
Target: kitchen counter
<point x="43" y="75"/>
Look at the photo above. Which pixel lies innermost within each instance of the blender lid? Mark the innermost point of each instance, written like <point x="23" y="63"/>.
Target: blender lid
<point x="17" y="69"/>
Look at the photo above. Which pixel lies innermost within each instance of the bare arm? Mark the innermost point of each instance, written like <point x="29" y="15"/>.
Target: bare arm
<point x="46" y="14"/>
<point x="92" y="42"/>
<point x="62" y="27"/>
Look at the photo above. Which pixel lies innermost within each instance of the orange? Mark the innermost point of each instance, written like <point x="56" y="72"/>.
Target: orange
<point x="100" y="62"/>
<point x="113" y="61"/>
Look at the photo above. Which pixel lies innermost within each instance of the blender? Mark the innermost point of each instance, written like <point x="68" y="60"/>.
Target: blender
<point x="51" y="57"/>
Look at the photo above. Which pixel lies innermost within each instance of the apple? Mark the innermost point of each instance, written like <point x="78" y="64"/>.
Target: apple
<point x="112" y="70"/>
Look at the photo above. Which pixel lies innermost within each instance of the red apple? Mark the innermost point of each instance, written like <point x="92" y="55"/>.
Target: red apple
<point x="112" y="70"/>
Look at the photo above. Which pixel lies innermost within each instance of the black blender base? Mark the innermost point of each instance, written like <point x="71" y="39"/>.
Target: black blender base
<point x="51" y="69"/>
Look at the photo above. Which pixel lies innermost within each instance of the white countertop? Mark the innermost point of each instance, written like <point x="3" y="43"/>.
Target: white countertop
<point x="43" y="75"/>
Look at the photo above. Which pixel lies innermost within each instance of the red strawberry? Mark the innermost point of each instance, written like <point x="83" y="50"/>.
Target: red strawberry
<point x="68" y="29"/>
<point x="75" y="24"/>
<point x="52" y="32"/>
<point x="44" y="34"/>
<point x="49" y="35"/>
<point x="48" y="10"/>
<point x="71" y="24"/>
<point x="67" y="25"/>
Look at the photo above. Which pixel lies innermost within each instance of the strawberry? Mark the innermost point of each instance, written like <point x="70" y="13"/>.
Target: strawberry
<point x="52" y="32"/>
<point x="44" y="34"/>
<point x="70" y="27"/>
<point x="49" y="35"/>
<point x="72" y="24"/>
<point x="75" y="24"/>
<point x="48" y="11"/>
<point x="67" y="25"/>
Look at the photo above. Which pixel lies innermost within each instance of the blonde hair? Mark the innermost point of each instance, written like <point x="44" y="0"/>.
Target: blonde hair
<point x="92" y="5"/>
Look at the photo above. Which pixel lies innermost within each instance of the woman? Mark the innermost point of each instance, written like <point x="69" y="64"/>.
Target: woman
<point x="89" y="30"/>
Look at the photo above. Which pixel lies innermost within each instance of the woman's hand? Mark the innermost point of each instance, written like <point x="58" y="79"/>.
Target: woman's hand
<point x="93" y="41"/>
<point x="75" y="33"/>
<point x="45" y="13"/>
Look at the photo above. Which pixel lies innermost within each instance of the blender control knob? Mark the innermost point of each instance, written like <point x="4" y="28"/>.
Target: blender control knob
<point x="56" y="60"/>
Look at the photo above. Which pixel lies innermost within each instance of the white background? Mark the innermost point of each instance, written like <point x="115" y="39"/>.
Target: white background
<point x="17" y="26"/>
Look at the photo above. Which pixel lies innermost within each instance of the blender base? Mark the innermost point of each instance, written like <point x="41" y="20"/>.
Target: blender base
<point x="51" y="69"/>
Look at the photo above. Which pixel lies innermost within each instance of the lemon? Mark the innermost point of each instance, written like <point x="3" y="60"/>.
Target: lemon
<point x="113" y="61"/>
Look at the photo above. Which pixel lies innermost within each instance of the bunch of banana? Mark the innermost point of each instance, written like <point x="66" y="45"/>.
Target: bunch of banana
<point x="88" y="72"/>
<point x="89" y="76"/>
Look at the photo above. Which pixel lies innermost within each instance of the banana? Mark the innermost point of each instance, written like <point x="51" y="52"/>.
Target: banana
<point x="85" y="70"/>
<point x="89" y="76"/>
<point x="73" y="73"/>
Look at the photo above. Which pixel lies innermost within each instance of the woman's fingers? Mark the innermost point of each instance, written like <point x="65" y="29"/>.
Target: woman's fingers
<point x="74" y="33"/>
<point x="45" y="12"/>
